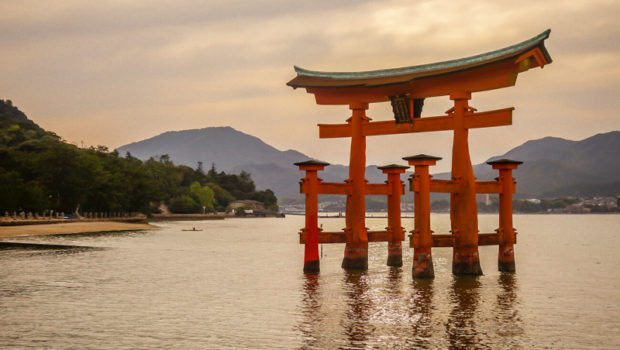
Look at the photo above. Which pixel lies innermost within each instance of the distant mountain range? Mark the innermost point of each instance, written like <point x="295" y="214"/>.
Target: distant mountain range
<point x="553" y="166"/>
<point x="233" y="151"/>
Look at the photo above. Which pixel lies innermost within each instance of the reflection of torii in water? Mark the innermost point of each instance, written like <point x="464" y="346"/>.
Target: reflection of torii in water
<point x="406" y="88"/>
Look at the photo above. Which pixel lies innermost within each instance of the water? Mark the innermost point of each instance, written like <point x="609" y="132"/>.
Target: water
<point x="238" y="284"/>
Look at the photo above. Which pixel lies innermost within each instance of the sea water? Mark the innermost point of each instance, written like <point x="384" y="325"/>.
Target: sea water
<point x="239" y="284"/>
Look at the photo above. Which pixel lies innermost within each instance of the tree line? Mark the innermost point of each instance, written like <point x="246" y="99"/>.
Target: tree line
<point x="39" y="171"/>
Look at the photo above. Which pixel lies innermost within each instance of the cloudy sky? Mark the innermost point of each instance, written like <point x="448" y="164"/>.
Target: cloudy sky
<point x="115" y="72"/>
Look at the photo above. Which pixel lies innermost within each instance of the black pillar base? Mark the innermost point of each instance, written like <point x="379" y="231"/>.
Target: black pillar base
<point x="426" y="273"/>
<point x="395" y="260"/>
<point x="506" y="266"/>
<point x="312" y="266"/>
<point x="355" y="263"/>
<point x="466" y="268"/>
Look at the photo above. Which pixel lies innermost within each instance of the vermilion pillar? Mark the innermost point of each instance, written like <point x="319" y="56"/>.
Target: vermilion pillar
<point x="356" y="248"/>
<point x="395" y="229"/>
<point x="422" y="239"/>
<point x="506" y="232"/>
<point x="310" y="186"/>
<point x="463" y="207"/>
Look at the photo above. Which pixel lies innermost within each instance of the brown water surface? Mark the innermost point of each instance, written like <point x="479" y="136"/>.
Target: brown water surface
<point x="238" y="284"/>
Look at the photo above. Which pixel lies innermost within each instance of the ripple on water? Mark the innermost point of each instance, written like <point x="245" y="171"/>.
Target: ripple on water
<point x="238" y="284"/>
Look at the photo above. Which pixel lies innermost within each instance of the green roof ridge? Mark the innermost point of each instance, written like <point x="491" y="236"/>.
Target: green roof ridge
<point x="427" y="67"/>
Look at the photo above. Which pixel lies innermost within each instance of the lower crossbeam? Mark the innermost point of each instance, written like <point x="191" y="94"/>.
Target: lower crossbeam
<point x="447" y="240"/>
<point x="341" y="237"/>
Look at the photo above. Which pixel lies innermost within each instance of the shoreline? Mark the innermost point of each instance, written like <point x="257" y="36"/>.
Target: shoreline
<point x="71" y="228"/>
<point x="198" y="217"/>
<point x="45" y="221"/>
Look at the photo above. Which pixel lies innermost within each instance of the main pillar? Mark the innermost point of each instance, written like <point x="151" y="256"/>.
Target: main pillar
<point x="310" y="186"/>
<point x="395" y="229"/>
<point x="356" y="248"/>
<point x="422" y="239"/>
<point x="463" y="207"/>
<point x="506" y="232"/>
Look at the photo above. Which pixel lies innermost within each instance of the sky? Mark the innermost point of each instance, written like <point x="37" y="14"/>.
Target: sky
<point x="115" y="72"/>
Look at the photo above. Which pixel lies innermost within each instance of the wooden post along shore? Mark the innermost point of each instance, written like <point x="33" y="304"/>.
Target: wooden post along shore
<point x="406" y="89"/>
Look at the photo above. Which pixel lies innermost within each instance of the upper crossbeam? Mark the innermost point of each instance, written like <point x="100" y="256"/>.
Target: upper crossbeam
<point x="473" y="120"/>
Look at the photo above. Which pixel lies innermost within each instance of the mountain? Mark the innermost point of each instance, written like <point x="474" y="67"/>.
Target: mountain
<point x="16" y="128"/>
<point x="556" y="167"/>
<point x="11" y="113"/>
<point x="552" y="166"/>
<point x="234" y="151"/>
<point x="228" y="150"/>
<point x="226" y="147"/>
<point x="39" y="172"/>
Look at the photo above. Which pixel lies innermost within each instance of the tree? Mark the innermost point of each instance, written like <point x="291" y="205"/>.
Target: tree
<point x="183" y="205"/>
<point x="203" y="195"/>
<point x="39" y="171"/>
<point x="269" y="199"/>
<point x="222" y="197"/>
<point x="164" y="158"/>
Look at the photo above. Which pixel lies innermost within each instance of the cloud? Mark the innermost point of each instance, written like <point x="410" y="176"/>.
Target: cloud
<point x="115" y="72"/>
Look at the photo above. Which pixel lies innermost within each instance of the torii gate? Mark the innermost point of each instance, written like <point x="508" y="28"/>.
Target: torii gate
<point x="406" y="88"/>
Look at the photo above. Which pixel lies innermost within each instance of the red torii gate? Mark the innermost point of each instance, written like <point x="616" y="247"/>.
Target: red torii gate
<point x="406" y="88"/>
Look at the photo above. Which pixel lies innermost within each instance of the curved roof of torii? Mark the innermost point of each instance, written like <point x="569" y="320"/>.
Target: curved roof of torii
<point x="376" y="78"/>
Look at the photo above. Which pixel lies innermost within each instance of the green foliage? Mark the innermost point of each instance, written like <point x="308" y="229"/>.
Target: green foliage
<point x="239" y="186"/>
<point x="17" y="195"/>
<point x="230" y="187"/>
<point x="39" y="171"/>
<point x="222" y="197"/>
<point x="268" y="198"/>
<point x="183" y="205"/>
<point x="525" y="206"/>
<point x="16" y="128"/>
<point x="204" y="196"/>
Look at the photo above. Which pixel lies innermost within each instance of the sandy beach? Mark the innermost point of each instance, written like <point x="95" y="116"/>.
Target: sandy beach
<point x="71" y="228"/>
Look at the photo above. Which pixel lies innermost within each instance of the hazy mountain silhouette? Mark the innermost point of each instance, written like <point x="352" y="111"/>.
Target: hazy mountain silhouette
<point x="226" y="147"/>
<point x="553" y="166"/>
<point x="233" y="151"/>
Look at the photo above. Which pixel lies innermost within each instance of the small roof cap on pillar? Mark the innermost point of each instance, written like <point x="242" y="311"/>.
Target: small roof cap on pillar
<point x="504" y="164"/>
<point x="422" y="157"/>
<point x="311" y="162"/>
<point x="504" y="161"/>
<point x="393" y="166"/>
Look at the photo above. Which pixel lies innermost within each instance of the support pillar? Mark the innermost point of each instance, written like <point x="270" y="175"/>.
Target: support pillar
<point x="395" y="229"/>
<point x="422" y="239"/>
<point x="310" y="186"/>
<point x="356" y="248"/>
<point x="463" y="207"/>
<point x="506" y="233"/>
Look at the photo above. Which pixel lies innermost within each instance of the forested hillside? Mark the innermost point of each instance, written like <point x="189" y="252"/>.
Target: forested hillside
<point x="235" y="151"/>
<point x="39" y="171"/>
